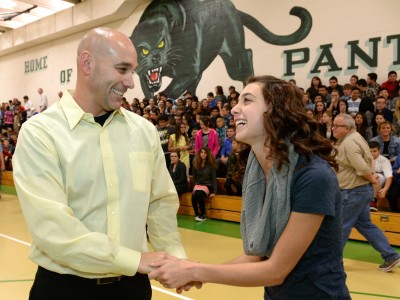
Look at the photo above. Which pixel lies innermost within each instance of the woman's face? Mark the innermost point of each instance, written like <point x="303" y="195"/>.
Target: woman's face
<point x="359" y="119"/>
<point x="204" y="103"/>
<point x="319" y="106"/>
<point x="183" y="128"/>
<point x="315" y="81"/>
<point x="203" y="154"/>
<point x="309" y="114"/>
<point x="194" y="104"/>
<point x="353" y="80"/>
<point x="326" y="118"/>
<point x="174" y="157"/>
<point x="249" y="115"/>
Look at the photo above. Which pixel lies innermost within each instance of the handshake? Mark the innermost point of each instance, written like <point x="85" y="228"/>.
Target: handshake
<point x="170" y="271"/>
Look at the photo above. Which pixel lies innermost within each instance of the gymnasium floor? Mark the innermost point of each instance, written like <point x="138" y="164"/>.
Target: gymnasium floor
<point x="212" y="241"/>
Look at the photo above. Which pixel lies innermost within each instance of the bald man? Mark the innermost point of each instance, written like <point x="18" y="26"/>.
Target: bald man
<point x="98" y="178"/>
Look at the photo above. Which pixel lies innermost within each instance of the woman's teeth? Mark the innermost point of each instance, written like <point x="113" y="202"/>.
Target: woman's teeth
<point x="240" y="122"/>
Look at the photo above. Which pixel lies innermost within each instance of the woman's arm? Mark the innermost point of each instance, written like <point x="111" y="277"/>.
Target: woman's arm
<point x="171" y="144"/>
<point x="246" y="270"/>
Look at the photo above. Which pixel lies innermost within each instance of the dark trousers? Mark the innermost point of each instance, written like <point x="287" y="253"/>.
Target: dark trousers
<point x="50" y="286"/>
<point x="199" y="200"/>
<point x="393" y="196"/>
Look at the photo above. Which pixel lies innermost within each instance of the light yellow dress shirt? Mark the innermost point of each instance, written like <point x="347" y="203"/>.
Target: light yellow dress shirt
<point x="87" y="191"/>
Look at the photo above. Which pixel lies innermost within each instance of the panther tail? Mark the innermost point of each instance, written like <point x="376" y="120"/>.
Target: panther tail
<point x="280" y="40"/>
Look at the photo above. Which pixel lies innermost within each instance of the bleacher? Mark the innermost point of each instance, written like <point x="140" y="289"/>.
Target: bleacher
<point x="224" y="207"/>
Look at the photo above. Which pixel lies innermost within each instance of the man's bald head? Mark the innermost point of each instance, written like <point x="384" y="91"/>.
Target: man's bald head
<point x="101" y="40"/>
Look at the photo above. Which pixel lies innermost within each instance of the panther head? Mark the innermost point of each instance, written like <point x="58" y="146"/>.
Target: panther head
<point x="156" y="55"/>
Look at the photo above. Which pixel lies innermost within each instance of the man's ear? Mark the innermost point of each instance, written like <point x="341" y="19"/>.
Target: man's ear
<point x="85" y="62"/>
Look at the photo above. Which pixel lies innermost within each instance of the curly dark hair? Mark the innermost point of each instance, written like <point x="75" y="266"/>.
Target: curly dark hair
<point x="285" y="117"/>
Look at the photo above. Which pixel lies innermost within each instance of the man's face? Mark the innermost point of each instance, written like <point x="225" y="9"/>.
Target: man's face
<point x="380" y="103"/>
<point x="111" y="74"/>
<point x="355" y="94"/>
<point x="333" y="83"/>
<point x="162" y="123"/>
<point x="323" y="91"/>
<point x="374" y="152"/>
<point x="392" y="77"/>
<point x="230" y="133"/>
<point x="339" y="129"/>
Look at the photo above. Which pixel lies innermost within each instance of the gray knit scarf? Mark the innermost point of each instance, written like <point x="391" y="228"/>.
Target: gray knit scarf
<point x="266" y="207"/>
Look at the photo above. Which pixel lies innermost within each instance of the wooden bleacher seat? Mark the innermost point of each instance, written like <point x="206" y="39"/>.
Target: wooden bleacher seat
<point x="7" y="178"/>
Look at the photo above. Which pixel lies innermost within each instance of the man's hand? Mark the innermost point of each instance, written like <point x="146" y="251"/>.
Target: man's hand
<point x="147" y="259"/>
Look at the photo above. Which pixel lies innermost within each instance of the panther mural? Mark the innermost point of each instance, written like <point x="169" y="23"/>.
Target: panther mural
<point x="181" y="38"/>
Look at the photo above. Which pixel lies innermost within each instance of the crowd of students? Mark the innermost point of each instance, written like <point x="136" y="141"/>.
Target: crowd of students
<point x="376" y="111"/>
<point x="189" y="124"/>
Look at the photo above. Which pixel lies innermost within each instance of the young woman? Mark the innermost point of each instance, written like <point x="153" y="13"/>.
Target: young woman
<point x="362" y="126"/>
<point x="319" y="111"/>
<point x="205" y="181"/>
<point x="313" y="90"/>
<point x="291" y="217"/>
<point x="179" y="141"/>
<point x="178" y="172"/>
<point x="389" y="144"/>
<point x="326" y="127"/>
<point x="206" y="137"/>
<point x="204" y="109"/>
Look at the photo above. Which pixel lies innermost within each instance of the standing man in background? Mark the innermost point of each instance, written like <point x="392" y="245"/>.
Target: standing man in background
<point x="356" y="177"/>
<point x="98" y="178"/>
<point x="43" y="100"/>
<point x="28" y="106"/>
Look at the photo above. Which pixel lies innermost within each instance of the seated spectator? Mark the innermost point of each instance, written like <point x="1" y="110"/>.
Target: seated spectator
<point x="379" y="118"/>
<point x="394" y="190"/>
<point x="389" y="145"/>
<point x="219" y="94"/>
<point x="307" y="101"/>
<point x="346" y="92"/>
<point x="391" y="84"/>
<point x="319" y="111"/>
<point x="213" y="117"/>
<point x="225" y="113"/>
<point x="233" y="184"/>
<point x="164" y="130"/>
<point x="206" y="137"/>
<point x="310" y="113"/>
<point x="204" y="109"/>
<point x="326" y="127"/>
<point x="205" y="181"/>
<point x="221" y="130"/>
<point x="362" y="126"/>
<point x="354" y="102"/>
<point x="178" y="172"/>
<point x="396" y="119"/>
<point x="8" y="151"/>
<point x="179" y="142"/>
<point x="383" y="171"/>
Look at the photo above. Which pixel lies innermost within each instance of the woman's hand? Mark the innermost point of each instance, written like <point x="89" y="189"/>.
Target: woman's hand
<point x="177" y="273"/>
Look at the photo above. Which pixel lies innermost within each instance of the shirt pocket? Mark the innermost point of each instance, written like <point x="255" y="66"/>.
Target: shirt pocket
<point x="141" y="168"/>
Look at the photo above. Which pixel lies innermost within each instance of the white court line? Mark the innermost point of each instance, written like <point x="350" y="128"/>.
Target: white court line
<point x="153" y="287"/>
<point x="15" y="240"/>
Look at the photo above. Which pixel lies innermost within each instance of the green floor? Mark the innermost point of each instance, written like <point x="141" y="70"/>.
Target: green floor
<point x="354" y="249"/>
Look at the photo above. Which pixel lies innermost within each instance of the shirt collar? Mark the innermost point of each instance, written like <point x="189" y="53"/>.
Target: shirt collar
<point x="74" y="113"/>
